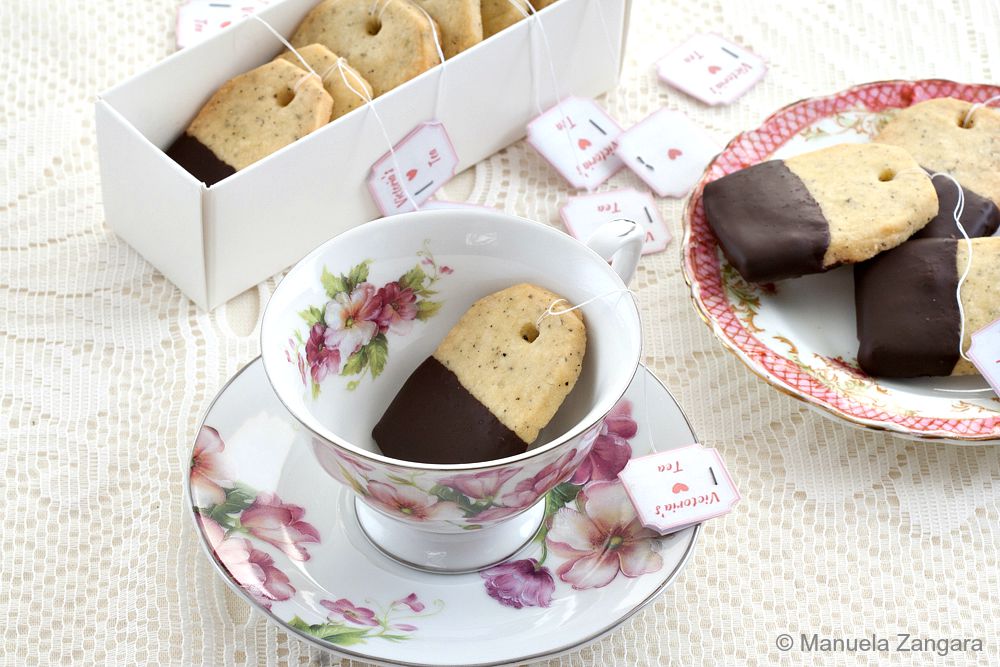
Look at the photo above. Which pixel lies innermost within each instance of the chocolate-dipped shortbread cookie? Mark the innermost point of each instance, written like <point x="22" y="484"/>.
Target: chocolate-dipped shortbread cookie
<point x="980" y="216"/>
<point x="934" y="132"/>
<point x="492" y="384"/>
<point x="839" y="205"/>
<point x="250" y="117"/>
<point x="908" y="317"/>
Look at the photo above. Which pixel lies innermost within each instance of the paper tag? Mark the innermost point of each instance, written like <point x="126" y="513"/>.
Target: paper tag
<point x="197" y="20"/>
<point x="578" y="138"/>
<point x="985" y="353"/>
<point x="668" y="151"/>
<point x="584" y="214"/>
<point x="711" y="69"/>
<point x="679" y="488"/>
<point x="424" y="160"/>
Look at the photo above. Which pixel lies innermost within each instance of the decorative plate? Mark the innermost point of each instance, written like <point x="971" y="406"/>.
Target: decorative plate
<point x="799" y="335"/>
<point x="285" y="537"/>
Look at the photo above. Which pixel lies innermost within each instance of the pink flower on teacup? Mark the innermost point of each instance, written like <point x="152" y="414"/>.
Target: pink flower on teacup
<point x="529" y="490"/>
<point x="252" y="568"/>
<point x="399" y="309"/>
<point x="279" y="524"/>
<point x="602" y="540"/>
<point x="484" y="486"/>
<point x="322" y="360"/>
<point x="360" y="467"/>
<point x="207" y="475"/>
<point x="410" y="502"/>
<point x="611" y="450"/>
<point x="350" y="319"/>
<point x="519" y="583"/>
<point x="346" y="610"/>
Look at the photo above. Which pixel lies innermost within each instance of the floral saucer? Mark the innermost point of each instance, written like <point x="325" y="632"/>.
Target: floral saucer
<point x="800" y="335"/>
<point x="285" y="536"/>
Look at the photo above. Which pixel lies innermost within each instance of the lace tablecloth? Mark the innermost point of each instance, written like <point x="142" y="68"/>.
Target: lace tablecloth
<point x="106" y="369"/>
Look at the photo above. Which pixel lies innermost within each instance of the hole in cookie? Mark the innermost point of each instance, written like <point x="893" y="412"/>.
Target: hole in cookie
<point x="284" y="97"/>
<point x="886" y="175"/>
<point x="373" y="26"/>
<point x="529" y="332"/>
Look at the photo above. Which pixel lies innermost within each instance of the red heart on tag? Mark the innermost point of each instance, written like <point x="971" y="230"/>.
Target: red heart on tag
<point x="680" y="487"/>
<point x="411" y="174"/>
<point x="583" y="144"/>
<point x="674" y="153"/>
<point x="224" y="24"/>
<point x="712" y="69"/>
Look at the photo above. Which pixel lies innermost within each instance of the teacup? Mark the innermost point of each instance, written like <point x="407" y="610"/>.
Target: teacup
<point x="351" y="320"/>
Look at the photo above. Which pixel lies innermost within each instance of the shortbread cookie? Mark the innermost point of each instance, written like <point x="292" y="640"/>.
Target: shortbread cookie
<point x="908" y="316"/>
<point x="932" y="132"/>
<point x="492" y="384"/>
<point x="250" y="117"/>
<point x="460" y="22"/>
<point x="980" y="216"/>
<point x="541" y="4"/>
<point x="388" y="41"/>
<point x="501" y="14"/>
<point x="346" y="87"/>
<point x="839" y="205"/>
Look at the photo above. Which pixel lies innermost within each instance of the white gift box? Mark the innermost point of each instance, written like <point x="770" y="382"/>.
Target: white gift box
<point x="215" y="242"/>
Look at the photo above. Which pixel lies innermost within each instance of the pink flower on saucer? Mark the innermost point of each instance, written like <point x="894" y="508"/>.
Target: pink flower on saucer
<point x="322" y="360"/>
<point x="520" y="583"/>
<point x="279" y="524"/>
<point x="611" y="450"/>
<point x="207" y="475"/>
<point x="254" y="570"/>
<point x="350" y="319"/>
<point x="410" y="502"/>
<point x="399" y="309"/>
<point x="346" y="610"/>
<point x="529" y="490"/>
<point x="604" y="539"/>
<point x="481" y="485"/>
<point x="411" y="601"/>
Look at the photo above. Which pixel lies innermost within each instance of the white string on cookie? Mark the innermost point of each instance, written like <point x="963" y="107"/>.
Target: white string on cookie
<point x="309" y="70"/>
<point x="976" y="107"/>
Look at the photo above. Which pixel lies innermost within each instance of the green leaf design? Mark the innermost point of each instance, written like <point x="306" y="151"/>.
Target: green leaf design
<point x="334" y="633"/>
<point x="427" y="309"/>
<point x="566" y="492"/>
<point x="237" y="499"/>
<point x="356" y="362"/>
<point x="357" y="275"/>
<point x="333" y="285"/>
<point x="377" y="353"/>
<point x="312" y="315"/>
<point x="315" y="390"/>
<point x="353" y="384"/>
<point x="414" y="278"/>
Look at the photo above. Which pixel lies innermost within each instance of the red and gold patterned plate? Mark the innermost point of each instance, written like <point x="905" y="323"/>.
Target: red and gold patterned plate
<point x="799" y="335"/>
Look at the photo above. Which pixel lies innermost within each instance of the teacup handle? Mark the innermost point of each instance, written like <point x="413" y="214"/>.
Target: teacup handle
<point x="619" y="241"/>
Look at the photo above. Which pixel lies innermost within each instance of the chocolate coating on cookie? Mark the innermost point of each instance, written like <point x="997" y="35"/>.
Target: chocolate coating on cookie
<point x="768" y="224"/>
<point x="908" y="319"/>
<point x="980" y="217"/>
<point x="434" y="419"/>
<point x="199" y="160"/>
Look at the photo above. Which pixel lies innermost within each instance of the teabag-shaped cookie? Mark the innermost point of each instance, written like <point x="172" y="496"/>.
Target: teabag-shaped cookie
<point x="338" y="80"/>
<point x="492" y="384"/>
<point x="501" y="14"/>
<point x="908" y="317"/>
<point x="839" y="205"/>
<point x="934" y="134"/>
<point x="389" y="42"/>
<point x="460" y="22"/>
<point x="250" y="117"/>
<point x="980" y="216"/>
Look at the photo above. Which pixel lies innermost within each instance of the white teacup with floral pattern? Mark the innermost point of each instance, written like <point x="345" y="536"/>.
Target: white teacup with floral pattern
<point x="350" y="322"/>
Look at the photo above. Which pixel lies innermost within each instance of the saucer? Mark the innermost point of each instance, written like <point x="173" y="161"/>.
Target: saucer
<point x="285" y="537"/>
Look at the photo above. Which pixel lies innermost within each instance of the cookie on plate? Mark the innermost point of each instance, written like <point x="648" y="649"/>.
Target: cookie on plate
<point x="908" y="316"/>
<point x="338" y="79"/>
<point x="806" y="214"/>
<point x="501" y="14"/>
<point x="460" y="21"/>
<point x="934" y="134"/>
<point x="980" y="216"/>
<point x="250" y="117"/>
<point x="387" y="41"/>
<point x="493" y="383"/>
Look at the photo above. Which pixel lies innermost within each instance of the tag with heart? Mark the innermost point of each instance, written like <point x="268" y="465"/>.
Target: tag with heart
<point x="985" y="353"/>
<point x="712" y="69"/>
<point x="417" y="166"/>
<point x="667" y="151"/>
<point x="197" y="20"/>
<point x="678" y="488"/>
<point x="583" y="214"/>
<point x="578" y="138"/>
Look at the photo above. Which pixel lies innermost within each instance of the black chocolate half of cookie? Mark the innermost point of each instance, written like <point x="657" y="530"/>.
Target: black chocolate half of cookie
<point x="907" y="310"/>
<point x="199" y="160"/>
<point x="980" y="216"/>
